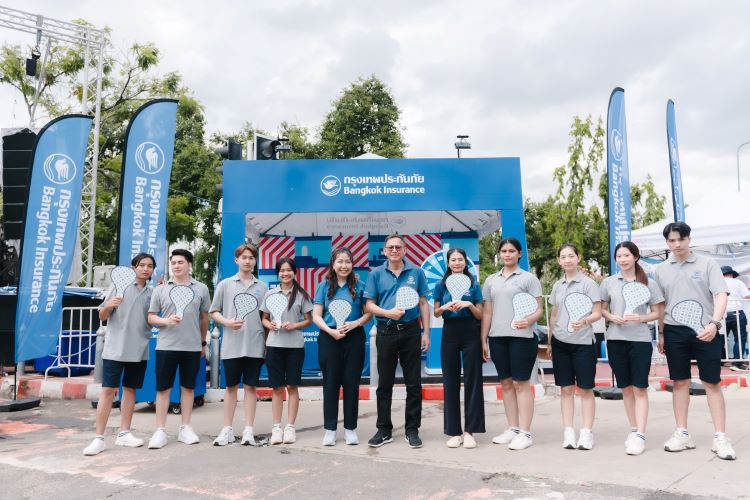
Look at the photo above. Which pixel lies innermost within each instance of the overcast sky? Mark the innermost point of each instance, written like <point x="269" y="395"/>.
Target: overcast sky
<point x="510" y="74"/>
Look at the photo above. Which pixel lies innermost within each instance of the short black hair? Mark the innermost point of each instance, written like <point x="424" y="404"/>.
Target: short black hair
<point x="183" y="252"/>
<point x="680" y="227"/>
<point x="138" y="258"/>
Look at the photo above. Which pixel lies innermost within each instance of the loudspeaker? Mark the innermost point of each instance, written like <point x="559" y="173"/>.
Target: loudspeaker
<point x="16" y="176"/>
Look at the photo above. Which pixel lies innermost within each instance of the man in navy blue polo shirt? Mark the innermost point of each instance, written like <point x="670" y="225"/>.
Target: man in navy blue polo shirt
<point x="400" y="337"/>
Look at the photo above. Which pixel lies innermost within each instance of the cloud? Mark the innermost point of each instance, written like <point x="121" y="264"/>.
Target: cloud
<point x="510" y="74"/>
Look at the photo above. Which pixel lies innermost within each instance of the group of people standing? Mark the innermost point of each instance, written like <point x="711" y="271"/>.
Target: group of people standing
<point x="480" y="323"/>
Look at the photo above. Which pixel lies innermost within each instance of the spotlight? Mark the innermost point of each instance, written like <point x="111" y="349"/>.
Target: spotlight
<point x="462" y="143"/>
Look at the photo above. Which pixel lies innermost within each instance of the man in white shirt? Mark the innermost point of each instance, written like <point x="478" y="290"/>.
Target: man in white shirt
<point x="736" y="320"/>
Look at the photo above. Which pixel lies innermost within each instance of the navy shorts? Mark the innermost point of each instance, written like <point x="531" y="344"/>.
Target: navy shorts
<point x="574" y="364"/>
<point x="131" y="373"/>
<point x="245" y="370"/>
<point x="284" y="365"/>
<point x="167" y="363"/>
<point x="513" y="356"/>
<point x="681" y="345"/>
<point x="630" y="362"/>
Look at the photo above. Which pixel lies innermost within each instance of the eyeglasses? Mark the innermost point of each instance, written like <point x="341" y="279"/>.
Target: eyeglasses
<point x="391" y="248"/>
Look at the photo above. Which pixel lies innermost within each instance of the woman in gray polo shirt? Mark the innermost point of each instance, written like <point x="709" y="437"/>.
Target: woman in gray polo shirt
<point x="571" y="343"/>
<point x="285" y="348"/>
<point x="508" y="339"/>
<point x="629" y="346"/>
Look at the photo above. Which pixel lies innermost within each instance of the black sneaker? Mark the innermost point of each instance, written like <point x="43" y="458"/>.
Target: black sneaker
<point x="412" y="437"/>
<point x="379" y="439"/>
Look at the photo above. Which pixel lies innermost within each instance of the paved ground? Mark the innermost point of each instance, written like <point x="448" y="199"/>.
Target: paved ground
<point x="41" y="457"/>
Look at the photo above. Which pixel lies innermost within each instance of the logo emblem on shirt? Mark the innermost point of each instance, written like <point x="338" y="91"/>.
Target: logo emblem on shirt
<point x="696" y="275"/>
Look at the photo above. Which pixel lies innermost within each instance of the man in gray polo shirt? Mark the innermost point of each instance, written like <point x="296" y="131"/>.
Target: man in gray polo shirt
<point x="125" y="353"/>
<point x="687" y="279"/>
<point x="179" y="345"/>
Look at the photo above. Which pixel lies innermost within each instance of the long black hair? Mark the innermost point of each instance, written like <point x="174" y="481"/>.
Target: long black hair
<point x="448" y="271"/>
<point x="296" y="288"/>
<point x="640" y="274"/>
<point x="332" y="279"/>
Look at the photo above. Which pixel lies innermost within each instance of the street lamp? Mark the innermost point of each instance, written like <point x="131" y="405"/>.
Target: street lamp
<point x="738" y="163"/>
<point x="462" y="143"/>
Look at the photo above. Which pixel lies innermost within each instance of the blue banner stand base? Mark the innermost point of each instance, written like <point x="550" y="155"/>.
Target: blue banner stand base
<point x="19" y="404"/>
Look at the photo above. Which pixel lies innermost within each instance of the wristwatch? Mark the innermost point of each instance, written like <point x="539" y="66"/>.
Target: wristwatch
<point x="717" y="324"/>
<point x="204" y="343"/>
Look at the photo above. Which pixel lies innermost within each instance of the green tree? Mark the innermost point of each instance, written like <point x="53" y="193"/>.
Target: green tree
<point x="647" y="205"/>
<point x="538" y="228"/>
<point x="487" y="253"/>
<point x="568" y="219"/>
<point x="363" y="119"/>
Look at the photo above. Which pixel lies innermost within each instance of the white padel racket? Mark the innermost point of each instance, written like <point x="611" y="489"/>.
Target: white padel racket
<point x="457" y="285"/>
<point x="579" y="306"/>
<point x="340" y="310"/>
<point x="406" y="298"/>
<point x="276" y="304"/>
<point x="122" y="277"/>
<point x="689" y="313"/>
<point x="244" y="304"/>
<point x="635" y="295"/>
<point x="181" y="296"/>
<point x="524" y="304"/>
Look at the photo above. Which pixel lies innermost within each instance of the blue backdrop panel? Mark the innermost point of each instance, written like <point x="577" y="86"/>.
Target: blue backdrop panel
<point x="368" y="186"/>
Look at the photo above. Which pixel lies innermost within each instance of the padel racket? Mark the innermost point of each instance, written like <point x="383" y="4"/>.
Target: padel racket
<point x="340" y="310"/>
<point x="122" y="277"/>
<point x="181" y="296"/>
<point x="524" y="304"/>
<point x="406" y="298"/>
<point x="457" y="285"/>
<point x="244" y="304"/>
<point x="579" y="306"/>
<point x="689" y="313"/>
<point x="276" y="304"/>
<point x="635" y="295"/>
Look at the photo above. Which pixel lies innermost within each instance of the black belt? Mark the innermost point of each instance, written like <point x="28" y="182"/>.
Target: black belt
<point x="399" y="327"/>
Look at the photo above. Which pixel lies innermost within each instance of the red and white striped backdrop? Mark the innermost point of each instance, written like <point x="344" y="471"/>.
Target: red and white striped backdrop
<point x="421" y="246"/>
<point x="309" y="277"/>
<point x="272" y="248"/>
<point x="357" y="244"/>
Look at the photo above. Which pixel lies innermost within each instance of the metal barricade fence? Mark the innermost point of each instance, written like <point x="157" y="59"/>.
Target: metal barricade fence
<point x="76" y="342"/>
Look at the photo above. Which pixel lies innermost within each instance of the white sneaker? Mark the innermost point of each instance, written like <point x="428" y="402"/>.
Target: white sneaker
<point x="631" y="435"/>
<point x="506" y="437"/>
<point x="469" y="442"/>
<point x="723" y="448"/>
<point x="128" y="440"/>
<point x="569" y="438"/>
<point x="585" y="440"/>
<point x="290" y="434"/>
<point x="679" y="442"/>
<point x="95" y="447"/>
<point x="187" y="435"/>
<point x="248" y="438"/>
<point x="521" y="442"/>
<point x="350" y="435"/>
<point x="225" y="437"/>
<point x="635" y="446"/>
<point x="158" y="440"/>
<point x="277" y="435"/>
<point x="329" y="438"/>
<point x="454" y="442"/>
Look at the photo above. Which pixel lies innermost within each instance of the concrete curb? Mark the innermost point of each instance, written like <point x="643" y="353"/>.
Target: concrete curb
<point x="85" y="388"/>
